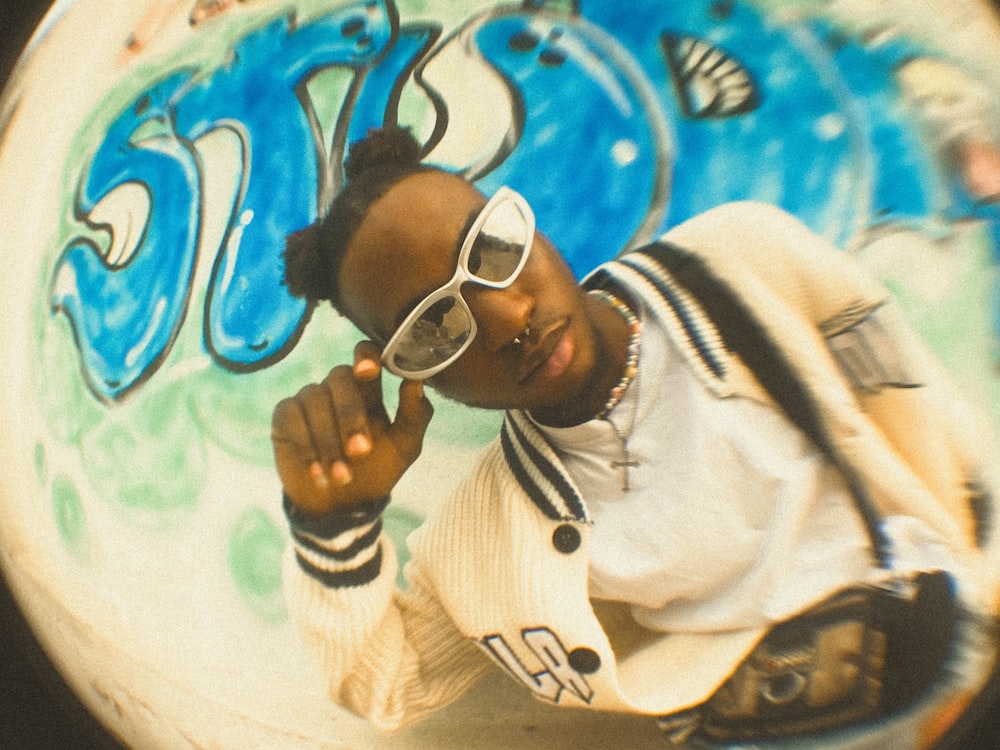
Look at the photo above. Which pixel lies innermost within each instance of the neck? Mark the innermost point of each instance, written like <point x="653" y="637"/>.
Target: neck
<point x="611" y="354"/>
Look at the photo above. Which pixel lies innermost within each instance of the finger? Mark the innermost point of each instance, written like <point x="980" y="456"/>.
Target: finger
<point x="296" y="452"/>
<point x="367" y="360"/>
<point x="319" y="417"/>
<point x="287" y="425"/>
<point x="299" y="477"/>
<point x="412" y="417"/>
<point x="350" y="412"/>
<point x="291" y="429"/>
<point x="368" y="374"/>
<point x="290" y="435"/>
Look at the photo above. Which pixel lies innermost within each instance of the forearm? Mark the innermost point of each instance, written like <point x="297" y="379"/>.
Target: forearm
<point x="390" y="656"/>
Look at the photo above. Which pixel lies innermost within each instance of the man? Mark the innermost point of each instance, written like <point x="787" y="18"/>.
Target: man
<point x="720" y="453"/>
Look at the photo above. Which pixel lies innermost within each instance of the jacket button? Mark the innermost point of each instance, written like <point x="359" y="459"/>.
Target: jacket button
<point x="566" y="538"/>
<point x="584" y="660"/>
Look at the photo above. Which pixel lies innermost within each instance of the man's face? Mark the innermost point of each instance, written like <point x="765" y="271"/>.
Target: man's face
<point x="407" y="246"/>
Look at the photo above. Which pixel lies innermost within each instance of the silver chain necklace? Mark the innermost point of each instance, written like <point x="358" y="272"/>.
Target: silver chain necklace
<point x="628" y="375"/>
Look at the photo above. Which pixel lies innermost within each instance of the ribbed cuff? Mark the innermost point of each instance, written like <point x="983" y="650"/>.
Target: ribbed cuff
<point x="339" y="549"/>
<point x="332" y="524"/>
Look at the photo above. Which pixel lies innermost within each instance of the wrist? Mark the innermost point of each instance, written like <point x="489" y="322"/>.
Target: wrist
<point x="332" y="523"/>
<point x="340" y="549"/>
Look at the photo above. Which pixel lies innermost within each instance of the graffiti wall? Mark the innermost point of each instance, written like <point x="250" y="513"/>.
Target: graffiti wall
<point x="150" y="175"/>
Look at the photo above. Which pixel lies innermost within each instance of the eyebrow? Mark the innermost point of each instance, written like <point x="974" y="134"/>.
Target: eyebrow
<point x="418" y="298"/>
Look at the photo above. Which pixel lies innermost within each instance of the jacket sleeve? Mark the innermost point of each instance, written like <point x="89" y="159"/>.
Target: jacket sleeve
<point x="389" y="655"/>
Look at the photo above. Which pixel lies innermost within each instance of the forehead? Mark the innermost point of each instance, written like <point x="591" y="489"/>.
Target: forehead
<point x="405" y="247"/>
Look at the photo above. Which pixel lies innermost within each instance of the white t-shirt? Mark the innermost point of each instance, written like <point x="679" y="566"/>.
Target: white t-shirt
<point x="732" y="518"/>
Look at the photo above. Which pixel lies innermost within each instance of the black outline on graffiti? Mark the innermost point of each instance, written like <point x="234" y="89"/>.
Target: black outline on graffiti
<point x="718" y="65"/>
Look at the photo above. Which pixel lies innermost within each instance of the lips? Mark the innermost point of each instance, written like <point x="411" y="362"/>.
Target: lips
<point x="550" y="358"/>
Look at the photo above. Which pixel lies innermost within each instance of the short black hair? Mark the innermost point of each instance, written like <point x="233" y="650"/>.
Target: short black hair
<point x="313" y="256"/>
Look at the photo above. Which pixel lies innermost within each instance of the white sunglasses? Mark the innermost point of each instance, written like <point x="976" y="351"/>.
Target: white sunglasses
<point x="441" y="327"/>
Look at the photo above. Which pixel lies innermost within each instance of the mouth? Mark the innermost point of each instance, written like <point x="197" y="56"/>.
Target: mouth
<point x="550" y="358"/>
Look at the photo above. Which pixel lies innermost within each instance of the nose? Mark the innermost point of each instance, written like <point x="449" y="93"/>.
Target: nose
<point x="501" y="314"/>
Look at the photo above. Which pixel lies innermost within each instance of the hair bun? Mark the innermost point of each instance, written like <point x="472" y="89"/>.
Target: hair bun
<point x="307" y="272"/>
<point x="389" y="146"/>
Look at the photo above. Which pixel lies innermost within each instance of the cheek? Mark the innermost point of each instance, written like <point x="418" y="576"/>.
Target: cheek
<point x="472" y="380"/>
<point x="364" y="323"/>
<point x="356" y="303"/>
<point x="373" y="307"/>
<point x="549" y="262"/>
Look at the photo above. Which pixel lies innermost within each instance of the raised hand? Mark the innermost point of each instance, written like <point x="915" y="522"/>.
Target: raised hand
<point x="334" y="444"/>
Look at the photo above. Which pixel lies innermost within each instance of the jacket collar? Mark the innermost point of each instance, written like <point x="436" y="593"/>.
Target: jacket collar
<point x="539" y="470"/>
<point x="639" y="278"/>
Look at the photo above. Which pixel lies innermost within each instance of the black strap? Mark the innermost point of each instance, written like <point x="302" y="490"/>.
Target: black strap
<point x="746" y="337"/>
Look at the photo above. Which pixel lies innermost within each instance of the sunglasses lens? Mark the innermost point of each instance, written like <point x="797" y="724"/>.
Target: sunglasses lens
<point x="436" y="336"/>
<point x="493" y="255"/>
<point x="501" y="244"/>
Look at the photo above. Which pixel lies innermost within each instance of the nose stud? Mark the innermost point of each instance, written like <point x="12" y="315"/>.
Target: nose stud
<point x="522" y="336"/>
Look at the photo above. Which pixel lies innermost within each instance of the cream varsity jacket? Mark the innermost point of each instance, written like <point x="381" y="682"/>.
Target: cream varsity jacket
<point x="762" y="309"/>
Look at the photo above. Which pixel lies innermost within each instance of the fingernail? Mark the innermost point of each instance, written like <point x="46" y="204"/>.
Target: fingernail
<point x="366" y="368"/>
<point x="341" y="473"/>
<point x="359" y="445"/>
<point x="319" y="476"/>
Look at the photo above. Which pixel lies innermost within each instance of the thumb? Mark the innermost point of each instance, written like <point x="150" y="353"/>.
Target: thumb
<point x="412" y="417"/>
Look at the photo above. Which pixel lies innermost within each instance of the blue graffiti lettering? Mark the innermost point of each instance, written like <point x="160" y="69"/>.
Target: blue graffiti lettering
<point x="126" y="315"/>
<point x="588" y="146"/>
<point x="126" y="304"/>
<point x="616" y="121"/>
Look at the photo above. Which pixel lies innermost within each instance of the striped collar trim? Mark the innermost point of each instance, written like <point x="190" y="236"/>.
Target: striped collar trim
<point x="539" y="471"/>
<point x="687" y="324"/>
<point x="532" y="461"/>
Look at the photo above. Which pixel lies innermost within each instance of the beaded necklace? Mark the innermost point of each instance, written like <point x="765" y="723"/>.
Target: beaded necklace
<point x="632" y="357"/>
<point x="628" y="375"/>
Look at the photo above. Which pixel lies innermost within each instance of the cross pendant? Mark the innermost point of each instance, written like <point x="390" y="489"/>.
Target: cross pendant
<point x="625" y="466"/>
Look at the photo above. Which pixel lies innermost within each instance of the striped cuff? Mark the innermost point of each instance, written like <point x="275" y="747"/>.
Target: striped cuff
<point x="340" y="549"/>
